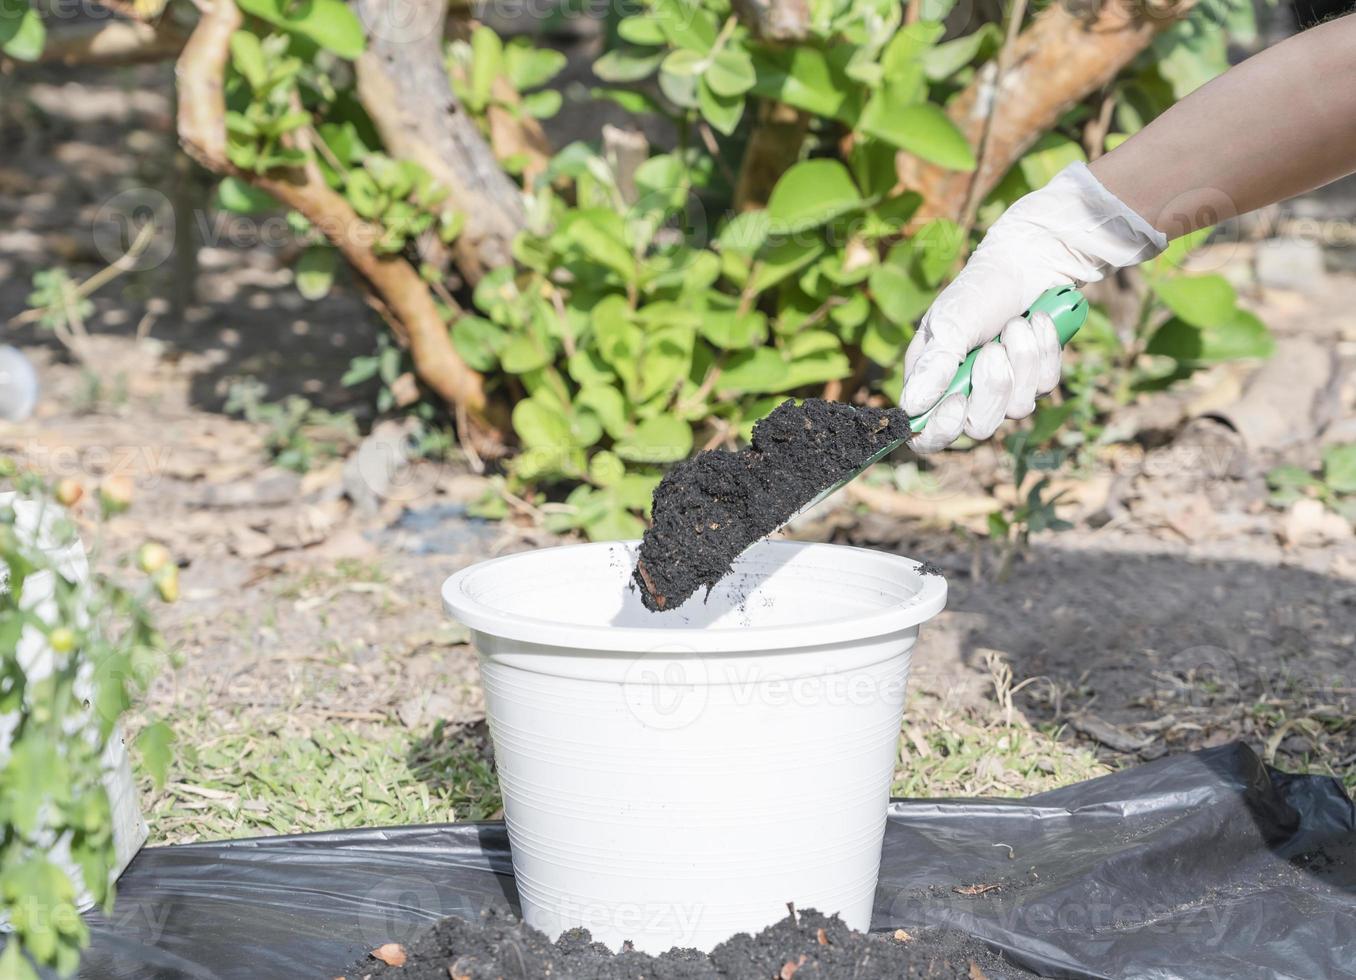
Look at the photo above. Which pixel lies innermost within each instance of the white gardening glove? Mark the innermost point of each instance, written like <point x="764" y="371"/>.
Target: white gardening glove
<point x="1072" y="230"/>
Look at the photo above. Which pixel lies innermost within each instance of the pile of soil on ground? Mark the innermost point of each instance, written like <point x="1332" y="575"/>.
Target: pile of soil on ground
<point x="807" y="945"/>
<point x="710" y="508"/>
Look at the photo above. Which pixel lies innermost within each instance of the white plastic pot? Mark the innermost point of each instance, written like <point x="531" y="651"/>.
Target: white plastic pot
<point x="675" y="778"/>
<point x="35" y="523"/>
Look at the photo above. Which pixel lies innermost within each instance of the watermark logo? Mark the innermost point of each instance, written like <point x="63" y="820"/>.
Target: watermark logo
<point x="134" y="229"/>
<point x="667" y="688"/>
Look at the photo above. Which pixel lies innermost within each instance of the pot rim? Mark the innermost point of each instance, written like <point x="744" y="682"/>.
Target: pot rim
<point x="929" y="597"/>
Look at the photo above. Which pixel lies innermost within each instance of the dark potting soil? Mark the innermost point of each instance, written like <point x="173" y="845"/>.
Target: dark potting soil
<point x="710" y="508"/>
<point x="807" y="945"/>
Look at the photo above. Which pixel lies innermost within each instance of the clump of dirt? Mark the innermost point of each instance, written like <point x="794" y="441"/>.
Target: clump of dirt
<point x="710" y="508"/>
<point x="805" y="944"/>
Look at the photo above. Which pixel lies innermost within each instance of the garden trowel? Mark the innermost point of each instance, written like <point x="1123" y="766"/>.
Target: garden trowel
<point x="1066" y="306"/>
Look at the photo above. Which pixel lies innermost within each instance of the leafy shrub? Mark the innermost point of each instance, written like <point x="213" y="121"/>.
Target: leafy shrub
<point x="652" y="309"/>
<point x="1334" y="483"/>
<point x="103" y="648"/>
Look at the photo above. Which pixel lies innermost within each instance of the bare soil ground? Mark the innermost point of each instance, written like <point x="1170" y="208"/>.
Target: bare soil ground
<point x="321" y="686"/>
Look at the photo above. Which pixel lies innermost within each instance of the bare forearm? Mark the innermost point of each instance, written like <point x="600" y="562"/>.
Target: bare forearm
<point x="1281" y="123"/>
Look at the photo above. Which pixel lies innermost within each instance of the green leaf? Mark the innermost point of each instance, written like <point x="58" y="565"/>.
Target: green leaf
<point x="524" y="353"/>
<point x="922" y="129"/>
<point x="627" y="64"/>
<point x="315" y="271"/>
<point x="247" y="57"/>
<point x="543" y="104"/>
<point x="487" y="57"/>
<point x="910" y="45"/>
<point x="478" y="341"/>
<point x="1339" y="468"/>
<point x="1189" y="54"/>
<point x="744" y="233"/>
<point x="541" y="427"/>
<point x="1179" y="248"/>
<point x="234" y="195"/>
<point x="685" y="24"/>
<point x="528" y="66"/>
<point x="601" y="235"/>
<point x="662" y="439"/>
<point x="329" y="23"/>
<point x="1291" y="477"/>
<point x="634" y="102"/>
<point x="685" y="62"/>
<point x="22" y="31"/>
<point x="681" y="90"/>
<point x="1051" y="154"/>
<point x="666" y="360"/>
<point x="1202" y="301"/>
<point x="721" y="111"/>
<point x="154" y="743"/>
<point x="897" y="289"/>
<point x="1241" y="336"/>
<point x="816" y="357"/>
<point x="614" y="524"/>
<point x="801" y="77"/>
<point x="810" y="194"/>
<point x="732" y="330"/>
<point x="756" y="371"/>
<point x="606" y="469"/>
<point x="731" y="72"/>
<point x="641" y="29"/>
<point x="1047" y="422"/>
<point x="945" y="60"/>
<point x="883" y="341"/>
<point x="607" y="404"/>
<point x="784" y="259"/>
<point x="936" y="246"/>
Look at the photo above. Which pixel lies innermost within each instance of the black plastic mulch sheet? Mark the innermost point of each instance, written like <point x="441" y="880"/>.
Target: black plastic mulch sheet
<point x="1202" y="865"/>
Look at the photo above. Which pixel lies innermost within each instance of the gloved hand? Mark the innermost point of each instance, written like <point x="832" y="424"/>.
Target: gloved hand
<point x="1072" y="230"/>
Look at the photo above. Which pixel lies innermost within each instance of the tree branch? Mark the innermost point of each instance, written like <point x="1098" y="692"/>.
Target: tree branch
<point x="202" y="131"/>
<point x="778" y="21"/>
<point x="511" y="134"/>
<point x="774" y="145"/>
<point x="403" y="84"/>
<point x="1065" y="54"/>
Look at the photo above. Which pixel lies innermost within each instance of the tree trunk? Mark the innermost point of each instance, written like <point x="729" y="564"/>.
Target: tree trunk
<point x="403" y="84"/>
<point x="774" y="145"/>
<point x="1063" y="56"/>
<point x="779" y="21"/>
<point x="202" y="131"/>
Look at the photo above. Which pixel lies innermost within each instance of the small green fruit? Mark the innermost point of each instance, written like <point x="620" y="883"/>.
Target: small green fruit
<point x="62" y="639"/>
<point x="152" y="557"/>
<point x="167" y="583"/>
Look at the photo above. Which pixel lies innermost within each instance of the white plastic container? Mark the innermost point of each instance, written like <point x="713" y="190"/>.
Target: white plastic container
<point x="35" y="523"/>
<point x="675" y="778"/>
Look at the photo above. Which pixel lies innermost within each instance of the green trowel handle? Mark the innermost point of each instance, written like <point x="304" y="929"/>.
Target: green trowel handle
<point x="1066" y="307"/>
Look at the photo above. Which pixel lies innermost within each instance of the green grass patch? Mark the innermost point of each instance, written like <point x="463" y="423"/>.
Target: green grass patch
<point x="260" y="777"/>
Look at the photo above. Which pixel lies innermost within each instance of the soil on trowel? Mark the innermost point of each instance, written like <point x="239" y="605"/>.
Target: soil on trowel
<point x="805" y="944"/>
<point x="710" y="508"/>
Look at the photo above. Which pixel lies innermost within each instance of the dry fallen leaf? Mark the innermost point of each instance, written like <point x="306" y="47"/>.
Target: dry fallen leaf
<point x="977" y="889"/>
<point x="392" y="954"/>
<point x="902" y="936"/>
<point x="823" y="937"/>
<point x="789" y="969"/>
<point x="976" y="973"/>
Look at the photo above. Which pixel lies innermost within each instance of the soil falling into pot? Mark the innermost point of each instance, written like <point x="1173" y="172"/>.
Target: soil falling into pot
<point x="709" y="509"/>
